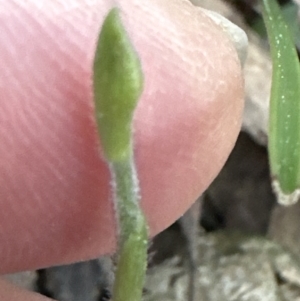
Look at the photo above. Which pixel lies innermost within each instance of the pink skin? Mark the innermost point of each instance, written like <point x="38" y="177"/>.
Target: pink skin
<point x="56" y="204"/>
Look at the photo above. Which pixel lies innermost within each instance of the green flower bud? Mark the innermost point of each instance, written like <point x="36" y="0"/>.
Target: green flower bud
<point x="118" y="83"/>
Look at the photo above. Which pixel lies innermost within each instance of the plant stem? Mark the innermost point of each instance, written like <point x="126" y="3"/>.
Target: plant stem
<point x="133" y="236"/>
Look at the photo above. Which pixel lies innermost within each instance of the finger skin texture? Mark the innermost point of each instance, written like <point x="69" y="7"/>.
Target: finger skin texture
<point x="55" y="199"/>
<point x="9" y="292"/>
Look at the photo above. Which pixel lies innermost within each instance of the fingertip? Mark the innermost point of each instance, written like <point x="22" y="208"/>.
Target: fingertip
<point x="56" y="190"/>
<point x="10" y="292"/>
<point x="190" y="114"/>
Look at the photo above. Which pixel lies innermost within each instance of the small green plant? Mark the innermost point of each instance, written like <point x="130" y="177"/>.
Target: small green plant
<point x="284" y="124"/>
<point x="118" y="83"/>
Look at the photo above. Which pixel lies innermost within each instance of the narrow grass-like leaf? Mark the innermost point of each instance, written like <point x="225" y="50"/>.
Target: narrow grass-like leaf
<point x="290" y="15"/>
<point x="284" y="131"/>
<point x="119" y="82"/>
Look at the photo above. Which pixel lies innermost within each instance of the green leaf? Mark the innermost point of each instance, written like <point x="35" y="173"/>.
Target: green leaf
<point x="118" y="83"/>
<point x="290" y="14"/>
<point x="284" y="132"/>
